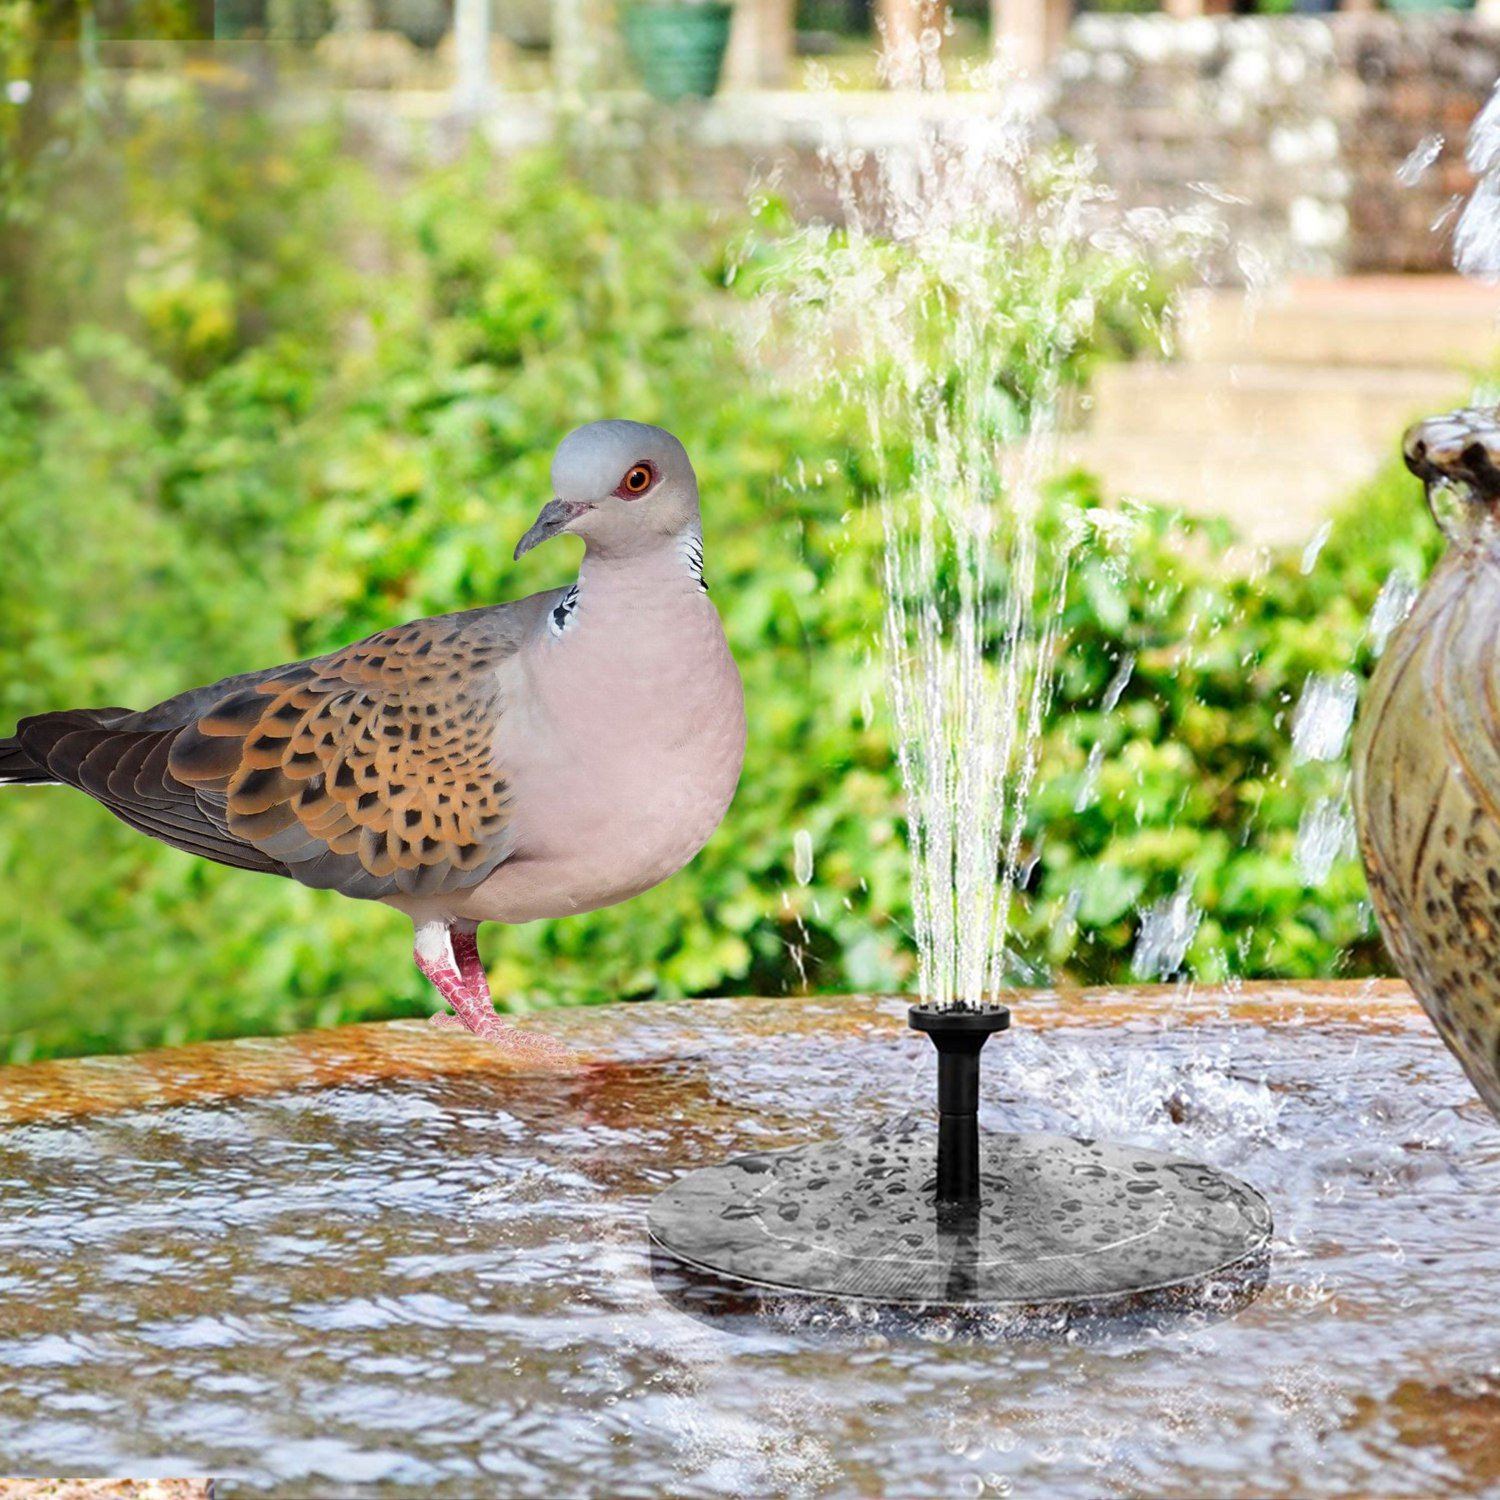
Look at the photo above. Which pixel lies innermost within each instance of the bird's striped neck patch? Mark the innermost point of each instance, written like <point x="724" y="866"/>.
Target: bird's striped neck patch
<point x="563" y="611"/>
<point x="692" y="551"/>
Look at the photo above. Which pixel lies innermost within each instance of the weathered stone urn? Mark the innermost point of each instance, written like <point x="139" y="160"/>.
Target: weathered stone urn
<point x="1427" y="756"/>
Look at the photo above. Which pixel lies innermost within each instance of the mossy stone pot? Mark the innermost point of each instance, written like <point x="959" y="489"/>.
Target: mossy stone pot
<point x="677" y="49"/>
<point x="1427" y="756"/>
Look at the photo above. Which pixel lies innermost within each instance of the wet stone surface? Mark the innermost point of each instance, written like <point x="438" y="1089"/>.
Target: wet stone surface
<point x="443" y="1285"/>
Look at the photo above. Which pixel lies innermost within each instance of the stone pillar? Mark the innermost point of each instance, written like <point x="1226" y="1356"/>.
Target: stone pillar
<point x="900" y="24"/>
<point x="472" y="85"/>
<point x="576" y="49"/>
<point x="1028" y="33"/>
<point x="761" y="44"/>
<point x="353" y="17"/>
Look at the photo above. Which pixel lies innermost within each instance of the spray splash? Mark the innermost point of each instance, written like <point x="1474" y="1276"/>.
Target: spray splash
<point x="1324" y="715"/>
<point x="1476" y="236"/>
<point x="952" y="306"/>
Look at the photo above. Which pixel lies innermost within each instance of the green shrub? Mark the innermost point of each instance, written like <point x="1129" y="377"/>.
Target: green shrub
<point x="1196" y="788"/>
<point x="271" y="452"/>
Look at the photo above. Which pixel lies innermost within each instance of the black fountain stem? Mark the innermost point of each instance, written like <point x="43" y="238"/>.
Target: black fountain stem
<point x="959" y="1036"/>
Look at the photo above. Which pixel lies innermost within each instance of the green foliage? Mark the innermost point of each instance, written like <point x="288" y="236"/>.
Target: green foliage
<point x="166" y="519"/>
<point x="274" y="428"/>
<point x="1194" y="786"/>
<point x="56" y="107"/>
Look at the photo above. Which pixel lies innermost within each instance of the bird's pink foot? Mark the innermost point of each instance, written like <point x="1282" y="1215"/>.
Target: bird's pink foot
<point x="449" y="958"/>
<point x="531" y="1046"/>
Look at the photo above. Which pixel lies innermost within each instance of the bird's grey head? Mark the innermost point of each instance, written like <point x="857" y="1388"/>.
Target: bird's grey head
<point x="624" y="487"/>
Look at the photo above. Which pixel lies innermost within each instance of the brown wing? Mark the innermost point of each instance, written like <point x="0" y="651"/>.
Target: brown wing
<point x="105" y="753"/>
<point x="373" y="770"/>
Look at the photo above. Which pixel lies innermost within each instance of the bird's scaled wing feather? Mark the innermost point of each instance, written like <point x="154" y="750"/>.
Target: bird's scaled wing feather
<point x="373" y="770"/>
<point x="106" y="753"/>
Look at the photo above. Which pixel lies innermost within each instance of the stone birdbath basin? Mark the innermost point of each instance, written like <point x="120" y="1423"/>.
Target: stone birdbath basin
<point x="371" y="1260"/>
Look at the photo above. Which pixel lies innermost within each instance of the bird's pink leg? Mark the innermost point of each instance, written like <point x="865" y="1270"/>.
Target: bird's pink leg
<point x="448" y="955"/>
<point x="465" y="942"/>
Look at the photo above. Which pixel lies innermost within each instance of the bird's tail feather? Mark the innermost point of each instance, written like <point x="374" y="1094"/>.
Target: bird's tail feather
<point x="18" y="769"/>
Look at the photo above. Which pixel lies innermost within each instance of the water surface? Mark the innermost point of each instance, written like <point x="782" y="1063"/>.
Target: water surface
<point x="442" y="1285"/>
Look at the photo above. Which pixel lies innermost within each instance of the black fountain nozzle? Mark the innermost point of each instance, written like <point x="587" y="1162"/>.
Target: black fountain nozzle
<point x="959" y="1036"/>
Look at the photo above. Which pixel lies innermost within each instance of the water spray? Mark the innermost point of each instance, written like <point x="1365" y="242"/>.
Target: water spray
<point x="947" y="304"/>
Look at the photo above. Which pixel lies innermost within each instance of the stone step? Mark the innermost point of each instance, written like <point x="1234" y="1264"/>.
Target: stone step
<point x="1268" y="407"/>
<point x="1278" y="407"/>
<point x="1413" y="321"/>
<point x="1274" y="496"/>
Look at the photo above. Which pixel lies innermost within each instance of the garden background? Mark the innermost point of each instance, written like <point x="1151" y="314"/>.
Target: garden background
<point x="262" y="392"/>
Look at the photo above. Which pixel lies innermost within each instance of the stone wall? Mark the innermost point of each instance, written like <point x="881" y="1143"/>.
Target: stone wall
<point x="1295" y="129"/>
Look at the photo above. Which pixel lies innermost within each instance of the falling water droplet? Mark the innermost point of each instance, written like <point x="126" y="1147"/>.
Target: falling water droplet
<point x="1118" y="683"/>
<point x="1483" y="148"/>
<point x="1088" y="790"/>
<point x="1318" y="541"/>
<point x="1445" y="213"/>
<point x="1167" y="928"/>
<point x="1392" y="605"/>
<point x="1324" y="836"/>
<point x="1320" y="723"/>
<point x="1422" y="156"/>
<point x="802" y="856"/>
<point x="1476" y="238"/>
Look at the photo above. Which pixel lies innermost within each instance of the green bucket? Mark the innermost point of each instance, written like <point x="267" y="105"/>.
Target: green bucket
<point x="677" y="49"/>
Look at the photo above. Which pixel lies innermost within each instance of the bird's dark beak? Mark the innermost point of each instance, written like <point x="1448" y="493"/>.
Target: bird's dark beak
<point x="556" y="516"/>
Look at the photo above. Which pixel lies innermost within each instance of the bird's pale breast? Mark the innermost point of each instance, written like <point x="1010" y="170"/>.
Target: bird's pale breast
<point x="625" y="745"/>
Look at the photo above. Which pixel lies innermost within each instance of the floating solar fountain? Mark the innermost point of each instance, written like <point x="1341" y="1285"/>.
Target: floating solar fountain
<point x="903" y="1218"/>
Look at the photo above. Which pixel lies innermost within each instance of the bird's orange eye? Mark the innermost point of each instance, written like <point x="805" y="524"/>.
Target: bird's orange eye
<point x="638" y="480"/>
